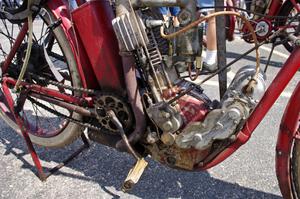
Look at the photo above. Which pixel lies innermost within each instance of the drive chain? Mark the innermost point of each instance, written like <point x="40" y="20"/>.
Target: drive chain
<point x="70" y="119"/>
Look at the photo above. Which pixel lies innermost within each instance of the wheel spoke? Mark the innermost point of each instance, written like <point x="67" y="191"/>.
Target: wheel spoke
<point x="43" y="122"/>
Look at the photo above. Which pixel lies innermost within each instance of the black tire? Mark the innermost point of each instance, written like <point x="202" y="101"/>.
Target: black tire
<point x="70" y="131"/>
<point x="295" y="168"/>
<point x="286" y="11"/>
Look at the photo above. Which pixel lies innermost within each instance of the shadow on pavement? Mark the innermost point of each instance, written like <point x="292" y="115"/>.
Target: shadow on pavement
<point x="263" y="60"/>
<point x="108" y="168"/>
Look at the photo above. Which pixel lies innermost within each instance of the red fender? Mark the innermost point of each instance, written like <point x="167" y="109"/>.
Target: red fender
<point x="99" y="63"/>
<point x="288" y="128"/>
<point x="60" y="10"/>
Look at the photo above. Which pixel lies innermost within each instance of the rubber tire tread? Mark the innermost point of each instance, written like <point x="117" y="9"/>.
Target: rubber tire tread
<point x="72" y="131"/>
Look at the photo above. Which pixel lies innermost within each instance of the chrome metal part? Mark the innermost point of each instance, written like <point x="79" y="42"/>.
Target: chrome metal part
<point x="127" y="32"/>
<point x="221" y="124"/>
<point x="166" y="117"/>
<point x="263" y="28"/>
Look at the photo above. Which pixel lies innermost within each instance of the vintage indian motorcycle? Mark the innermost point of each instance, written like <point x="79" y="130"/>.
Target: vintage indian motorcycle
<point x="115" y="70"/>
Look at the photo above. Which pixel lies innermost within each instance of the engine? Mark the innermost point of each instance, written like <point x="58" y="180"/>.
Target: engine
<point x="185" y="126"/>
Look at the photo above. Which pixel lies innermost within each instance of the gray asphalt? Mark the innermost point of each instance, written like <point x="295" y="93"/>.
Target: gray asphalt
<point x="99" y="171"/>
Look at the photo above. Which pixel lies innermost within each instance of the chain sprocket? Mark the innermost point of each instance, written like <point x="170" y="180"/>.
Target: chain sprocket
<point x="104" y="101"/>
<point x="108" y="101"/>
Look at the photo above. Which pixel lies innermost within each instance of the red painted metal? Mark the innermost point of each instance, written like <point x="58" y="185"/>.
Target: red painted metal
<point x="191" y="109"/>
<point x="48" y="92"/>
<point x="93" y="24"/>
<point x="60" y="10"/>
<point x="274" y="7"/>
<point x="15" y="47"/>
<point x="288" y="129"/>
<point x="296" y="5"/>
<point x="22" y="126"/>
<point x="275" y="89"/>
<point x="80" y="2"/>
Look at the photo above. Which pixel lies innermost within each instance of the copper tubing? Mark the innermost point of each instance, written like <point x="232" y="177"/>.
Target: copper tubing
<point x="200" y="20"/>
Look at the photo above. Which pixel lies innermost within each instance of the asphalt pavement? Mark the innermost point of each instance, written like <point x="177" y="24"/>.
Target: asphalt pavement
<point x="99" y="171"/>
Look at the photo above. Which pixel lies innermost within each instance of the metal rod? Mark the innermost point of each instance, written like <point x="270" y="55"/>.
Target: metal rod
<point x="71" y="107"/>
<point x="269" y="58"/>
<point x="221" y="48"/>
<point x="159" y="3"/>
<point x="118" y="124"/>
<point x="71" y="157"/>
<point x="15" y="47"/>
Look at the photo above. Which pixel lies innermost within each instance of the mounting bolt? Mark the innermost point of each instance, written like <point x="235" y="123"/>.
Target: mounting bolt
<point x="297" y="42"/>
<point x="197" y="137"/>
<point x="167" y="126"/>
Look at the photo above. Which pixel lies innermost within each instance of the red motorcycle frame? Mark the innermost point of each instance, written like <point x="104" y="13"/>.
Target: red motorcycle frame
<point x="96" y="51"/>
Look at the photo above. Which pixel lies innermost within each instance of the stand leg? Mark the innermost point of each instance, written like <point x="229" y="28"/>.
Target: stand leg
<point x="34" y="156"/>
<point x="85" y="145"/>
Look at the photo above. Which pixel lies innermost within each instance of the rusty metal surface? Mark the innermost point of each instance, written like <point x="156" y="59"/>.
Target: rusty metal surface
<point x="221" y="47"/>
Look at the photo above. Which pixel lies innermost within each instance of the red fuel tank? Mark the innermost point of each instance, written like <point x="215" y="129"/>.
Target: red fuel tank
<point x="92" y="21"/>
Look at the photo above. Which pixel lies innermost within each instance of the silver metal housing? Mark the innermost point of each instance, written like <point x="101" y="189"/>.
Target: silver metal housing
<point x="223" y="123"/>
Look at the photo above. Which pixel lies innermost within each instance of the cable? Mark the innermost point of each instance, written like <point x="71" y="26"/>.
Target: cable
<point x="201" y="19"/>
<point x="29" y="47"/>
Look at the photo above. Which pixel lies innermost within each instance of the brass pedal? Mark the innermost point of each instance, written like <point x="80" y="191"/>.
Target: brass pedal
<point x="134" y="174"/>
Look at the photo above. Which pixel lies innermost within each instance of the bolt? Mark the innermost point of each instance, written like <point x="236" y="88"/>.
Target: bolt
<point x="166" y="114"/>
<point x="297" y="42"/>
<point x="197" y="137"/>
<point x="234" y="113"/>
<point x="167" y="126"/>
<point x="219" y="126"/>
<point x="233" y="137"/>
<point x="201" y="164"/>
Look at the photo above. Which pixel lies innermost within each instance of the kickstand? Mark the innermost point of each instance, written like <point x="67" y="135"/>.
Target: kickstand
<point x="85" y="145"/>
<point x="41" y="174"/>
<point x="15" y="109"/>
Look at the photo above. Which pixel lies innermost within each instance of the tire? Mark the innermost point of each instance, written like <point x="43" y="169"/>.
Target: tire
<point x="69" y="131"/>
<point x="286" y="10"/>
<point x="295" y="168"/>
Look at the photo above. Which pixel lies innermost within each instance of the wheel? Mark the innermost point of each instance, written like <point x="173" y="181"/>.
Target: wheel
<point x="295" y="168"/>
<point x="288" y="10"/>
<point x="44" y="128"/>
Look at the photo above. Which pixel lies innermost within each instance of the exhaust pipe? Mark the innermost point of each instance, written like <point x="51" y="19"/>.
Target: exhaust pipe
<point x="134" y="97"/>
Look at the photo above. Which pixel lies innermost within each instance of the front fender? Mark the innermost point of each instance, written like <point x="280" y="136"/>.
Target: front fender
<point x="288" y="128"/>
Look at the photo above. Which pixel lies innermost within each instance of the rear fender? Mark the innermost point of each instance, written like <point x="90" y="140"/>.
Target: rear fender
<point x="60" y="10"/>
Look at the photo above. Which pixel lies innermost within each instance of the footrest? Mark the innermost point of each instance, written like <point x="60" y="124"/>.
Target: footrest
<point x="134" y="174"/>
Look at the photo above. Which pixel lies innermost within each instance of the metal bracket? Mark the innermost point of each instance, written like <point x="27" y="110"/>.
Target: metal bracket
<point x="40" y="171"/>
